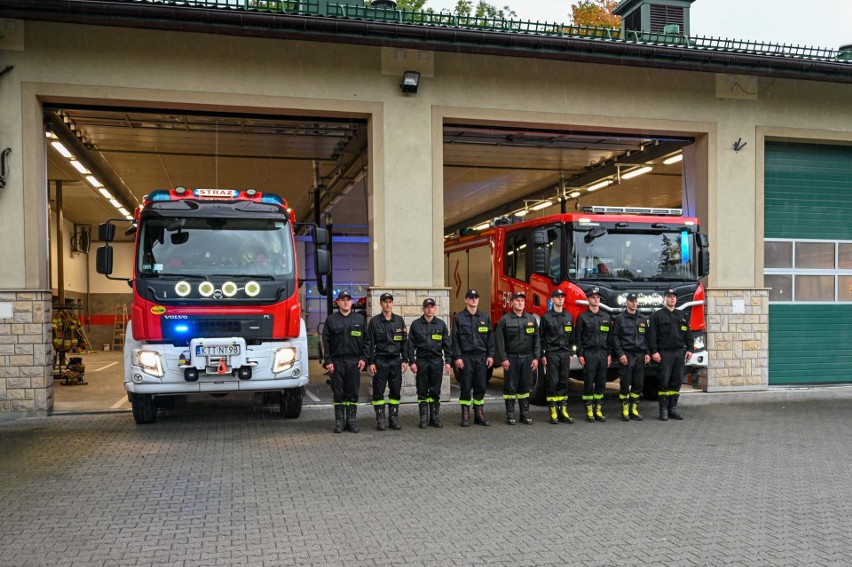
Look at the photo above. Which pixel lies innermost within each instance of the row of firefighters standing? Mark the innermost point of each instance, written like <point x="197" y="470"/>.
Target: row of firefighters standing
<point x="385" y="348"/>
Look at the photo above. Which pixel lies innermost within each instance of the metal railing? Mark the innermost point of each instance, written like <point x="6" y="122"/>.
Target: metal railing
<point x="526" y="27"/>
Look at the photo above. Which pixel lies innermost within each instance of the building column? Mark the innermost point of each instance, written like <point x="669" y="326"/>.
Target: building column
<point x="737" y="339"/>
<point x="26" y="357"/>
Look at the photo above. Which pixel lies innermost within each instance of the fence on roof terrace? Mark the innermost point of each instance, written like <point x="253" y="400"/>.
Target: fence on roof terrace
<point x="498" y="25"/>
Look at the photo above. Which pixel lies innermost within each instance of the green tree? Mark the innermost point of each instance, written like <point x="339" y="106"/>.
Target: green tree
<point x="484" y="9"/>
<point x="595" y="13"/>
<point x="412" y="5"/>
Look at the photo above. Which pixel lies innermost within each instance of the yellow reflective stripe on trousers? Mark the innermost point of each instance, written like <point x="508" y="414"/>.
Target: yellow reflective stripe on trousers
<point x="378" y="402"/>
<point x="479" y="402"/>
<point x="465" y="402"/>
<point x="523" y="396"/>
<point x="510" y="396"/>
<point x="393" y="402"/>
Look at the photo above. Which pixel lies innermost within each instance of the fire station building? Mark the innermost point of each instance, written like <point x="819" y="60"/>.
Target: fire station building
<point x="400" y="128"/>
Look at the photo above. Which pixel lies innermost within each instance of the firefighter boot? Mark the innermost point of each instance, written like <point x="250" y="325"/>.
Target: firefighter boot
<point x="564" y="416"/>
<point x="435" y="415"/>
<point x="599" y="416"/>
<point x="625" y="410"/>
<point x="352" y="418"/>
<point x="465" y="422"/>
<point x="510" y="412"/>
<point x="393" y="417"/>
<point x="664" y="408"/>
<point x="339" y="418"/>
<point x="424" y="415"/>
<point x="479" y="416"/>
<point x="554" y="413"/>
<point x="673" y="413"/>
<point x="634" y="411"/>
<point x="524" y="406"/>
<point x="380" y="418"/>
<point x="590" y="412"/>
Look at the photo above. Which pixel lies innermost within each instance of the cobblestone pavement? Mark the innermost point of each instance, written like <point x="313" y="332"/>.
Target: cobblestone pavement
<point x="747" y="479"/>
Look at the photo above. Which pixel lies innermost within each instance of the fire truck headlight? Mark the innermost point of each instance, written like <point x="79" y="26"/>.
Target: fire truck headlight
<point x="229" y="289"/>
<point x="183" y="288"/>
<point x="150" y="362"/>
<point x="252" y="289"/>
<point x="284" y="359"/>
<point x="698" y="342"/>
<point x="206" y="289"/>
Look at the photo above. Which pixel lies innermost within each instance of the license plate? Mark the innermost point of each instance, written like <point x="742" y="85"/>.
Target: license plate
<point x="217" y="350"/>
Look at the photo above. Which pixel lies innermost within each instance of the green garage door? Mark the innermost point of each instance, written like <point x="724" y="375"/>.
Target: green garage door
<point x="808" y="262"/>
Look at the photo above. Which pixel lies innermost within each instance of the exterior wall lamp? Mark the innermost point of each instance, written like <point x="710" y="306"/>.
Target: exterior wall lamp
<point x="410" y="82"/>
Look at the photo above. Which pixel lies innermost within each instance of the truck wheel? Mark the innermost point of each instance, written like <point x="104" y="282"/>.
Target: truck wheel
<point x="538" y="387"/>
<point x="651" y="387"/>
<point x="291" y="402"/>
<point x="144" y="409"/>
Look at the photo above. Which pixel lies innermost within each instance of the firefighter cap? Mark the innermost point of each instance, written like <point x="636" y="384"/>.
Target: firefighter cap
<point x="386" y="296"/>
<point x="632" y="297"/>
<point x="344" y="295"/>
<point x="519" y="295"/>
<point x="471" y="293"/>
<point x="557" y="293"/>
<point x="595" y="291"/>
<point x="670" y="291"/>
<point x="428" y="301"/>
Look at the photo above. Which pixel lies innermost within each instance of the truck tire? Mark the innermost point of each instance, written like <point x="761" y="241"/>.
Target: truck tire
<point x="538" y="387"/>
<point x="291" y="402"/>
<point x="144" y="409"/>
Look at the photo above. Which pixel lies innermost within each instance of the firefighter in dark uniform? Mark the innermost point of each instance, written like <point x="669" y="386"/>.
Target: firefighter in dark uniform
<point x="473" y="355"/>
<point x="670" y="343"/>
<point x="629" y="339"/>
<point x="591" y="336"/>
<point x="518" y="346"/>
<point x="343" y="347"/>
<point x="557" y="326"/>
<point x="429" y="351"/>
<point x="385" y="352"/>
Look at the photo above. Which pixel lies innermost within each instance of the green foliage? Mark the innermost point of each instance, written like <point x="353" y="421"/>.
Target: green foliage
<point x="411" y="5"/>
<point x="483" y="9"/>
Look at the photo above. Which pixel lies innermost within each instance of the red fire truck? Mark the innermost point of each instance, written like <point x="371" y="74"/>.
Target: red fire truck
<point x="620" y="250"/>
<point x="215" y="305"/>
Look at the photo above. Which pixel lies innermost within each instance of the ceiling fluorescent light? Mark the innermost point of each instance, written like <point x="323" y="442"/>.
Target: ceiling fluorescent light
<point x="115" y="203"/>
<point x="80" y="167"/>
<point x="62" y="150"/>
<point x="540" y="206"/>
<point x="600" y="185"/>
<point x="93" y="181"/>
<point x="521" y="213"/>
<point x="123" y="211"/>
<point x="673" y="159"/>
<point x="105" y="193"/>
<point x="574" y="194"/>
<point x="482" y="226"/>
<point x="637" y="172"/>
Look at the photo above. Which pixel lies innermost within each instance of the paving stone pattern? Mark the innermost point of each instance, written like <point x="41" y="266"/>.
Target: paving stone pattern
<point x="748" y="479"/>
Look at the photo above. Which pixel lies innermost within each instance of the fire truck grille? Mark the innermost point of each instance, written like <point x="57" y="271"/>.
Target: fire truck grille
<point x="252" y="329"/>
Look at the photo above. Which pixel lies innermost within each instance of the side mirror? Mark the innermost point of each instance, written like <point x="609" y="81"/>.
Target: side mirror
<point x="703" y="241"/>
<point x="106" y="232"/>
<point x="596" y="232"/>
<point x="323" y="262"/>
<point x="703" y="262"/>
<point x="540" y="237"/>
<point x="179" y="237"/>
<point x="103" y="261"/>
<point x="540" y="260"/>
<point x="320" y="236"/>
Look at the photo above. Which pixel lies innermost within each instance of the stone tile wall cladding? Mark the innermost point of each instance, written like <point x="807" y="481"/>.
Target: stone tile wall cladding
<point x="738" y="343"/>
<point x="408" y="303"/>
<point x="26" y="355"/>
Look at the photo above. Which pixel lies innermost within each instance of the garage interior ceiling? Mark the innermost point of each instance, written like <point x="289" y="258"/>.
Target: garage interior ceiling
<point x="487" y="167"/>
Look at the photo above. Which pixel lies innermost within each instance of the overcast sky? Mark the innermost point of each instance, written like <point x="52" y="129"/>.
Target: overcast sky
<point x="814" y="23"/>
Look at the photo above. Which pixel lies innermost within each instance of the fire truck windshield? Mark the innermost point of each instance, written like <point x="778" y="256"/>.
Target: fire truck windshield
<point x="203" y="247"/>
<point x="634" y="256"/>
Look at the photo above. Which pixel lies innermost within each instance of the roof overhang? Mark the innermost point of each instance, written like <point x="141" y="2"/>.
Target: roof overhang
<point x="240" y="22"/>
